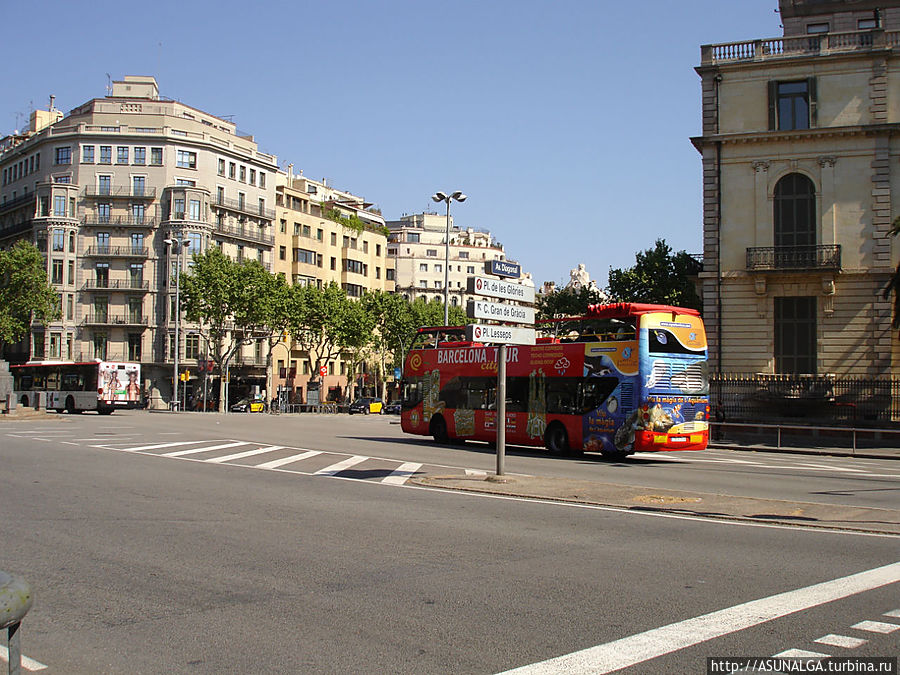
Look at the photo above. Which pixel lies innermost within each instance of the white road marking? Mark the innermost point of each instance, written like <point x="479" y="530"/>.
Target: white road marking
<point x="155" y="446"/>
<point x="246" y="453"/>
<point x="876" y="627"/>
<point x="27" y="664"/>
<point x="402" y="473"/>
<point x="475" y="472"/>
<point x="657" y="642"/>
<point x="335" y="469"/>
<point x="196" y="451"/>
<point x="844" y="641"/>
<point x="800" y="654"/>
<point x="895" y="613"/>
<point x="274" y="464"/>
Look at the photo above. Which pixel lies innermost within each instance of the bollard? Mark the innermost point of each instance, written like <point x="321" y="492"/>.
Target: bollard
<point x="15" y="601"/>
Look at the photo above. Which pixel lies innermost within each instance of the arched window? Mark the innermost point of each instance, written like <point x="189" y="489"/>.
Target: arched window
<point x="795" y="211"/>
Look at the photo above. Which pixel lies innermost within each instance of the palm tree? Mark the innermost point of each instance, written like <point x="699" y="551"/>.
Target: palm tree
<point x="894" y="284"/>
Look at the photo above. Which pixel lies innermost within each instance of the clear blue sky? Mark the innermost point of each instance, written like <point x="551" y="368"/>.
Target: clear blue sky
<point x="567" y="122"/>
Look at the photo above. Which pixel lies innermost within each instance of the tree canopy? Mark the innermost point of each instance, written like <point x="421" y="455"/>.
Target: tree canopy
<point x="567" y="301"/>
<point x="25" y="295"/>
<point x="658" y="276"/>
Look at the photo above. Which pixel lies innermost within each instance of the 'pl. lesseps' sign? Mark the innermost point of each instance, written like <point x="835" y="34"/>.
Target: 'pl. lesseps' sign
<point x="500" y="334"/>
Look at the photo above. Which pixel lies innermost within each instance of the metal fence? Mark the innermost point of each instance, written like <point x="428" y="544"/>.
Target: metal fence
<point x="805" y="399"/>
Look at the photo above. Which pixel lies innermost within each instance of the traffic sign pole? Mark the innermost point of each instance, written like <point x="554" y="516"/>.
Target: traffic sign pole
<point x="501" y="408"/>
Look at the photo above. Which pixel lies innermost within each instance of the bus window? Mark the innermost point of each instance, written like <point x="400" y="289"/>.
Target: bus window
<point x="26" y="382"/>
<point x="595" y="390"/>
<point x="73" y="382"/>
<point x="412" y="392"/>
<point x="53" y="380"/>
<point x="517" y="394"/>
<point x="562" y="393"/>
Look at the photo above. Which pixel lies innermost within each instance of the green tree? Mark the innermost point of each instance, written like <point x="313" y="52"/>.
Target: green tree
<point x="226" y="300"/>
<point x="893" y="285"/>
<point x="567" y="302"/>
<point x="25" y="295"/>
<point x="316" y="323"/>
<point x="357" y="339"/>
<point x="659" y="276"/>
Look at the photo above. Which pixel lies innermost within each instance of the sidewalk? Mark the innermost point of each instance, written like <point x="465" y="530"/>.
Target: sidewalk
<point x="636" y="498"/>
<point x="870" y="453"/>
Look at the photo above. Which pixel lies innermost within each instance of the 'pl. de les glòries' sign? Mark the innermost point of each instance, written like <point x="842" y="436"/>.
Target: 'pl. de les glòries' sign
<point x="497" y="288"/>
<point x="502" y="268"/>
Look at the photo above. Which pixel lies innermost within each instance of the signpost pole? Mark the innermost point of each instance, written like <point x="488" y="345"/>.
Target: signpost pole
<point x="501" y="408"/>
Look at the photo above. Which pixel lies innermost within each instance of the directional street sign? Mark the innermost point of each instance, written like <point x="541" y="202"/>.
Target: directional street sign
<point x="507" y="335"/>
<point x="496" y="288"/>
<point x="502" y="268"/>
<point x="498" y="311"/>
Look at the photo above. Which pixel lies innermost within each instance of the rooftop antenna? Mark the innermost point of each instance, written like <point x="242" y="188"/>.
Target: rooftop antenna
<point x="108" y="85"/>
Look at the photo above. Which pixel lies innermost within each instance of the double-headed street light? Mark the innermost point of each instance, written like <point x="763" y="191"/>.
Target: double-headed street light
<point x="176" y="247"/>
<point x="441" y="197"/>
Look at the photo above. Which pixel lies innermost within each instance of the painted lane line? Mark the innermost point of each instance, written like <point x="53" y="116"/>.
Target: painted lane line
<point x="27" y="664"/>
<point x="274" y="464"/>
<point x="195" y="451"/>
<point x="402" y="473"/>
<point x="876" y="627"/>
<point x="844" y="641"/>
<point x="155" y="446"/>
<point x="894" y="613"/>
<point x="246" y="453"/>
<point x="800" y="654"/>
<point x="657" y="642"/>
<point x="335" y="469"/>
<point x="68" y="443"/>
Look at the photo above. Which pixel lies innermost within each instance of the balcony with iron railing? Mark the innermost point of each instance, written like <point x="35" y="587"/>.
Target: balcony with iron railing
<point x="249" y="232"/>
<point x="116" y="284"/>
<point x="106" y="319"/>
<point x="244" y="206"/>
<point x="794" y="258"/>
<point x="119" y="221"/>
<point x="120" y="191"/>
<point x="805" y="45"/>
<point x="11" y="204"/>
<point x="116" y="252"/>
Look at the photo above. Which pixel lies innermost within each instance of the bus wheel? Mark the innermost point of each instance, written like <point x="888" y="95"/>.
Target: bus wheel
<point x="24" y="401"/>
<point x="556" y="439"/>
<point x="70" y="405"/>
<point x="438" y="429"/>
<point x="105" y="411"/>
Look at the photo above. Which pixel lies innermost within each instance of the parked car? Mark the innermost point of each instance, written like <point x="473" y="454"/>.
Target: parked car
<point x="249" y="405"/>
<point x="392" y="408"/>
<point x="366" y="405"/>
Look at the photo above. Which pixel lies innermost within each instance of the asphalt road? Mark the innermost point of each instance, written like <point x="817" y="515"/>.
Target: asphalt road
<point x="195" y="563"/>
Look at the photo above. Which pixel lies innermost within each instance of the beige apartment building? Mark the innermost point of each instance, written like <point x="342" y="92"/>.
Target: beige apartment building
<point x="800" y="150"/>
<point x="100" y="189"/>
<point x="313" y="247"/>
<point x="417" y="249"/>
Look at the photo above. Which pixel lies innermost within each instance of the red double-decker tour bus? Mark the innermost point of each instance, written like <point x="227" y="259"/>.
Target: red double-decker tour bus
<point x="624" y="378"/>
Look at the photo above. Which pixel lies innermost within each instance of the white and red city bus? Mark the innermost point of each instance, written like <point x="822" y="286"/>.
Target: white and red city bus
<point x="625" y="378"/>
<point x="103" y="386"/>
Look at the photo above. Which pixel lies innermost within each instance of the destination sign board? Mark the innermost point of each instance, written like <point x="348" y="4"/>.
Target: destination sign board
<point x="508" y="335"/>
<point x="502" y="268"/>
<point x="498" y="311"/>
<point x="497" y="288"/>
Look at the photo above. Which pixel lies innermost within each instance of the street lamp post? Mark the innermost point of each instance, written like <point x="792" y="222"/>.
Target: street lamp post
<point x="441" y="197"/>
<point x="176" y="246"/>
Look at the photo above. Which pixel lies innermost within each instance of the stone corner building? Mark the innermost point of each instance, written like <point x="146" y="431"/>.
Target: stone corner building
<point x="100" y="189"/>
<point x="800" y="162"/>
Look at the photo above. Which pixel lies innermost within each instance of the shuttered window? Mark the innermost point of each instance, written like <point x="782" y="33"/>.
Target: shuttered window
<point x="795" y="335"/>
